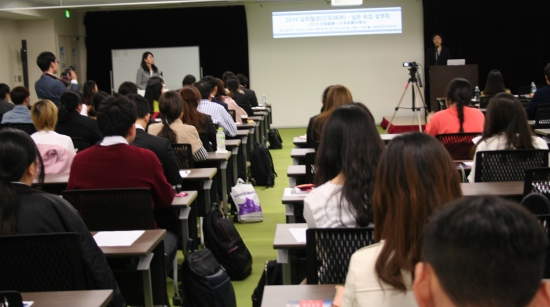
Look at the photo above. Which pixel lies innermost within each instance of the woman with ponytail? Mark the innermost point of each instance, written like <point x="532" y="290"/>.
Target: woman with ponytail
<point x="171" y="107"/>
<point x="71" y="123"/>
<point x="458" y="117"/>
<point x="25" y="210"/>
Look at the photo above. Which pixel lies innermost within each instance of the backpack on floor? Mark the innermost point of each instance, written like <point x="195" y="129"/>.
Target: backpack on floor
<point x="272" y="275"/>
<point x="275" y="140"/>
<point x="261" y="163"/>
<point x="205" y="283"/>
<point x="225" y="242"/>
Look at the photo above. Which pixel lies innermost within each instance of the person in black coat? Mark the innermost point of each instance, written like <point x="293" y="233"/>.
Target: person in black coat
<point x="244" y="87"/>
<point x="235" y="92"/>
<point x="443" y="53"/>
<point x="72" y="123"/>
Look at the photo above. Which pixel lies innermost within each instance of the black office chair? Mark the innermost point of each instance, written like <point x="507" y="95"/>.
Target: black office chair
<point x="484" y="101"/>
<point x="508" y="165"/>
<point x="233" y="114"/>
<point x="542" y="118"/>
<point x="544" y="220"/>
<point x="459" y="145"/>
<point x="310" y="167"/>
<point x="41" y="262"/>
<point x="80" y="144"/>
<point x="12" y="298"/>
<point x="536" y="190"/>
<point x="124" y="209"/>
<point x="328" y="252"/>
<point x="524" y="101"/>
<point x="184" y="155"/>
<point x="28" y="128"/>
<point x="536" y="203"/>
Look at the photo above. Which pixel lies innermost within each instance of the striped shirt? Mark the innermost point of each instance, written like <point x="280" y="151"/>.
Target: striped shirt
<point x="219" y="116"/>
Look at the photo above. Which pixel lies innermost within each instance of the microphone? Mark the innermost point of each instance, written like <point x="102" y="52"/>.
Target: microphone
<point x="436" y="55"/>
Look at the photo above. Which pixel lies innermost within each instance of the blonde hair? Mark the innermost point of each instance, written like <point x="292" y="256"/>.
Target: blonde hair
<point x="44" y="115"/>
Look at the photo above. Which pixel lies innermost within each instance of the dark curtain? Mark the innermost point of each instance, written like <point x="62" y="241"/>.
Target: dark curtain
<point x="220" y="32"/>
<point x="510" y="36"/>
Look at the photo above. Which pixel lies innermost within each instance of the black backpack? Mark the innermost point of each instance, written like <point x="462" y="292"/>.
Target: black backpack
<point x="261" y="163"/>
<point x="225" y="242"/>
<point x="275" y="140"/>
<point x="272" y="275"/>
<point x="205" y="283"/>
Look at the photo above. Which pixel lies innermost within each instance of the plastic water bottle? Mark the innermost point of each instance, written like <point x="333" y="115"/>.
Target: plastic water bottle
<point x="533" y="88"/>
<point x="264" y="100"/>
<point x="477" y="94"/>
<point x="220" y="139"/>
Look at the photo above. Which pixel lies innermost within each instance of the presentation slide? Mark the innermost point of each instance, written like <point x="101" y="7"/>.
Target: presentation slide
<point x="337" y="22"/>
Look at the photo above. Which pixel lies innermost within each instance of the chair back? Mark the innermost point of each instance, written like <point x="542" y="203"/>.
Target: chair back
<point x="484" y="101"/>
<point x="536" y="203"/>
<point x="79" y="143"/>
<point x="310" y="167"/>
<point x="41" y="262"/>
<point x="459" y="145"/>
<point x="524" y="101"/>
<point x="28" y="128"/>
<point x="184" y="155"/>
<point x="329" y="250"/>
<point x="113" y="209"/>
<point x="13" y="298"/>
<point x="508" y="165"/>
<point x="233" y="114"/>
<point x="542" y="118"/>
<point x="545" y="222"/>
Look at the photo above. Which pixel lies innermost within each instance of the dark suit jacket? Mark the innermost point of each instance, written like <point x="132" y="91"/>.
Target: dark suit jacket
<point x="221" y="103"/>
<point x="311" y="142"/>
<point x="542" y="96"/>
<point x="441" y="59"/>
<point x="243" y="102"/>
<point x="76" y="125"/>
<point x="208" y="137"/>
<point x="252" y="99"/>
<point x="5" y="106"/>
<point x="163" y="150"/>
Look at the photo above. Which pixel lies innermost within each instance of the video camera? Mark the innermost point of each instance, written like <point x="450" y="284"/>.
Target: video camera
<point x="66" y="74"/>
<point x="410" y="64"/>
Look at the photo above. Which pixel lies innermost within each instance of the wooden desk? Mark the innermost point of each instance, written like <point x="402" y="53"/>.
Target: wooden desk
<point x="143" y="250"/>
<point x="292" y="203"/>
<point x="503" y="189"/>
<point x="298" y="154"/>
<point x="260" y="132"/>
<point x="246" y="126"/>
<point x="85" y="298"/>
<point x="299" y="142"/>
<point x="245" y="136"/>
<point x="284" y="242"/>
<point x="233" y="146"/>
<point x="543" y="132"/>
<point x="221" y="159"/>
<point x="182" y="205"/>
<point x="278" y="296"/>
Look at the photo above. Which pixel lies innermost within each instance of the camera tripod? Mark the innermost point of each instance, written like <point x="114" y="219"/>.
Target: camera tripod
<point x="413" y="79"/>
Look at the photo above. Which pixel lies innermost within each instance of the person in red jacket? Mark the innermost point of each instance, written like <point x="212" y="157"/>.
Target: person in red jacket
<point x="113" y="163"/>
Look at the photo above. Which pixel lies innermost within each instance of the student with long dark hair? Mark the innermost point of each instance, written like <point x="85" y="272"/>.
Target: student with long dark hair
<point x="202" y="122"/>
<point x="221" y="95"/>
<point x="458" y="117"/>
<point x="345" y="167"/>
<point x="153" y="91"/>
<point x="71" y="123"/>
<point x="309" y="131"/>
<point x="415" y="176"/>
<point x="88" y="91"/>
<point x="235" y="92"/>
<point x="25" y="210"/>
<point x="146" y="70"/>
<point x="172" y="127"/>
<point x="506" y="127"/>
<point x="494" y="84"/>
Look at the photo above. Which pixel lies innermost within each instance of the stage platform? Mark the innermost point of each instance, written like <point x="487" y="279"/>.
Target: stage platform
<point x="403" y="123"/>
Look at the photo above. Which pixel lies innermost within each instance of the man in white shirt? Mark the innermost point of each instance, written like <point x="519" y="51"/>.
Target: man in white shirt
<point x="219" y="115"/>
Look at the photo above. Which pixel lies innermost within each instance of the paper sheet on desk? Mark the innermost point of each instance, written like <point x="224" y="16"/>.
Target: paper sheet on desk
<point x="27" y="303"/>
<point x="117" y="238"/>
<point x="184" y="173"/>
<point x="295" y="192"/>
<point x="468" y="163"/>
<point x="299" y="234"/>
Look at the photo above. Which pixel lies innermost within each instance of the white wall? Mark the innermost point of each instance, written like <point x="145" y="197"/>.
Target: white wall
<point x="293" y="72"/>
<point x="9" y="52"/>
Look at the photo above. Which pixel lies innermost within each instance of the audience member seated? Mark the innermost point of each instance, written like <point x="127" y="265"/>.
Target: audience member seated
<point x="127" y="87"/>
<point x="541" y="96"/>
<point x="20" y="113"/>
<point x="71" y="123"/>
<point x="25" y="210"/>
<point x="344" y="170"/>
<point x="88" y="91"/>
<point x="480" y="252"/>
<point x="338" y="95"/>
<point x="214" y="85"/>
<point x="115" y="164"/>
<point x="96" y="101"/>
<point x="49" y="86"/>
<point x="415" y="176"/>
<point x="188" y="80"/>
<point x="309" y="130"/>
<point x="494" y="84"/>
<point x="235" y="92"/>
<point x="57" y="150"/>
<point x="202" y="122"/>
<point x="153" y="91"/>
<point x="506" y="127"/>
<point x="250" y="93"/>
<point x="5" y="105"/>
<point x="218" y="114"/>
<point x="458" y="117"/>
<point x="172" y="128"/>
<point x="160" y="146"/>
<point x="231" y="104"/>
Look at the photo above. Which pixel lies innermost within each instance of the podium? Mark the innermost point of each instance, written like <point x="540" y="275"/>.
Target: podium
<point x="441" y="75"/>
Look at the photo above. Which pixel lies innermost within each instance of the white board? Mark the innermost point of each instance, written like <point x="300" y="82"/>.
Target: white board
<point x="174" y="63"/>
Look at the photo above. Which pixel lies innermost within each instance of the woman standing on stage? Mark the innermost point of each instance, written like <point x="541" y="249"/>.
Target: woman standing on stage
<point x="147" y="70"/>
<point x="437" y="54"/>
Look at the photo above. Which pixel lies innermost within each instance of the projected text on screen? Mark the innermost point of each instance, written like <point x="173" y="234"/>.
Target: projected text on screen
<point x="337" y="22"/>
